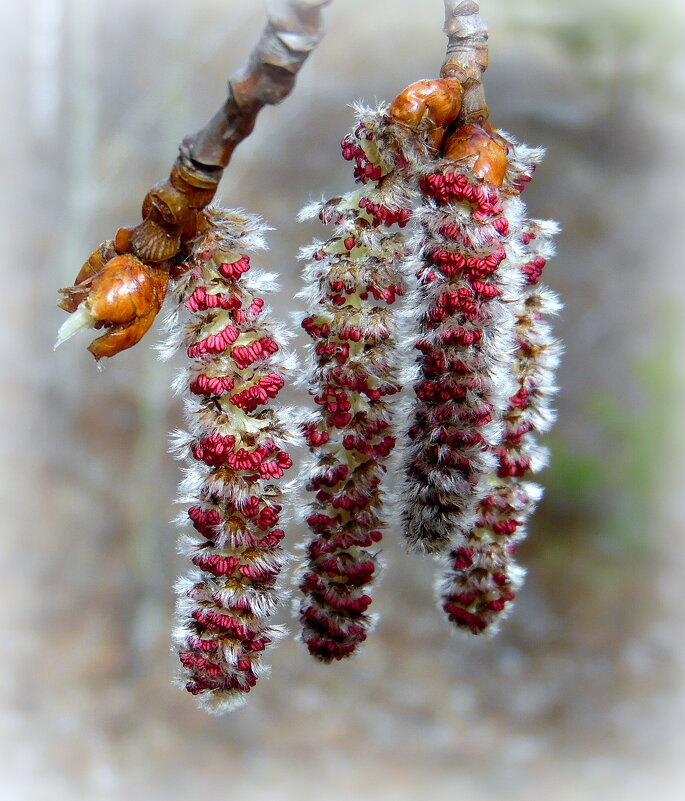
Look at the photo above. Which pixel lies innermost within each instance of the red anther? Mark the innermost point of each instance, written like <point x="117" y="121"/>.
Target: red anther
<point x="313" y="436"/>
<point x="191" y="660"/>
<point x="205" y="521"/>
<point x="352" y="443"/>
<point x="250" y="507"/>
<point x="330" y="595"/>
<point x="256" y="307"/>
<point x="520" y="400"/>
<point x="486" y="291"/>
<point x="272" y="539"/>
<point x="463" y="618"/>
<point x="349" y="242"/>
<point x="501" y="225"/>
<point x="325" y="349"/>
<point x="215" y="564"/>
<point x="211" y="386"/>
<point x="463" y="598"/>
<point x="206" y="646"/>
<point x="315" y="331"/>
<point x="463" y="558"/>
<point x="267" y="518"/>
<point x="233" y="270"/>
<point x="499" y="604"/>
<point x="515" y="468"/>
<point x="258" y="645"/>
<point x="215" y="621"/>
<point x="505" y="528"/>
<point x="245" y="355"/>
<point x="514" y="437"/>
<point x="533" y="270"/>
<point x="243" y="459"/>
<point x="214" y="450"/>
<point x="450" y="231"/>
<point x="359" y="572"/>
<point x="499" y="579"/>
<point x="343" y="541"/>
<point x="460" y="336"/>
<point x="258" y="574"/>
<point x="244" y="664"/>
<point x="448" y="262"/>
<point x="267" y="387"/>
<point x="275" y="468"/>
<point x="201" y="300"/>
<point x="321" y="523"/>
<point x="214" y="343"/>
<point x="330" y="477"/>
<point x="480" y="416"/>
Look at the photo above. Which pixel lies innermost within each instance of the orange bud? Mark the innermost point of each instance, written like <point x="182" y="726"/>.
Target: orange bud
<point x="125" y="297"/>
<point x="438" y="101"/>
<point x="473" y="140"/>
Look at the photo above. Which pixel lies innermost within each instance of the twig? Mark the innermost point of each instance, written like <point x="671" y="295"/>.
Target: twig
<point x="467" y="56"/>
<point x="122" y="285"/>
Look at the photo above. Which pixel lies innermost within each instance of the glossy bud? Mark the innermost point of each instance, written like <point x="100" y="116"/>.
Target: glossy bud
<point x="437" y="101"/>
<point x="470" y="140"/>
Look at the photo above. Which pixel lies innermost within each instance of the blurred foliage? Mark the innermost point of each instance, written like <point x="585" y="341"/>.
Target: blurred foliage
<point x="619" y="484"/>
<point x="615" y="40"/>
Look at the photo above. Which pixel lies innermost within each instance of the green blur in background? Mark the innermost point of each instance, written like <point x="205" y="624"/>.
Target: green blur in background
<point x="581" y="694"/>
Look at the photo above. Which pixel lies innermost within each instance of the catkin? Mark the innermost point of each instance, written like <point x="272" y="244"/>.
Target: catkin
<point x="354" y="280"/>
<point x="235" y="449"/>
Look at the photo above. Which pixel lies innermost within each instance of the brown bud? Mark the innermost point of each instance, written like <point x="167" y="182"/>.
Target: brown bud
<point x="125" y="296"/>
<point x="437" y="101"/>
<point x="473" y="140"/>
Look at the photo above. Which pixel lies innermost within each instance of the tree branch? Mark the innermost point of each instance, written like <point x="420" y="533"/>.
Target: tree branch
<point x="124" y="295"/>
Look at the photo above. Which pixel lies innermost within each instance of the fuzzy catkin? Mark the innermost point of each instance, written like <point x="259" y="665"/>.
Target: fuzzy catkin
<point x="481" y="577"/>
<point x="468" y="250"/>
<point x="354" y="280"/>
<point x="236" y="457"/>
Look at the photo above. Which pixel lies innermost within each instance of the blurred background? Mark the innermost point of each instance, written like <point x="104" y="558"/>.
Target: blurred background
<point x="581" y="695"/>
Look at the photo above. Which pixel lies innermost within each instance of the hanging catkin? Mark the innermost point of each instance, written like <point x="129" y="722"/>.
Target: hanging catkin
<point x="235" y="451"/>
<point x="482" y="577"/>
<point x="354" y="280"/>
